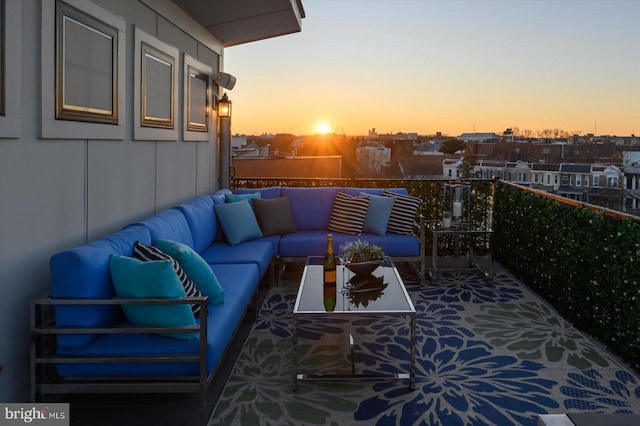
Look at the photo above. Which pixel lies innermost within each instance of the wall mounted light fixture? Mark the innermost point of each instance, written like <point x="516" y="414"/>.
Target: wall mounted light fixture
<point x="224" y="106"/>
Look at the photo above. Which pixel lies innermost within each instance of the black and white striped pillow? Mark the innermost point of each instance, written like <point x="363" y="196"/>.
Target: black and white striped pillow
<point x="403" y="213"/>
<point x="146" y="253"/>
<point x="348" y="214"/>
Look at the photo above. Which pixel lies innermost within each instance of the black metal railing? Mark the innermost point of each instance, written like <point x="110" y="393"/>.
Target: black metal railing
<point x="430" y="191"/>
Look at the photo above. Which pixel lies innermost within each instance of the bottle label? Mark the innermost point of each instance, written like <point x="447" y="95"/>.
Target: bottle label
<point x="330" y="276"/>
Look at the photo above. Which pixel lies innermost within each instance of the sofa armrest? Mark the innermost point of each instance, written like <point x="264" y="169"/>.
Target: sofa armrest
<point x="44" y="330"/>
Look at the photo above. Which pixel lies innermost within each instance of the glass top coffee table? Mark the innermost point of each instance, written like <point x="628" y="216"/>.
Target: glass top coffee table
<point x="381" y="294"/>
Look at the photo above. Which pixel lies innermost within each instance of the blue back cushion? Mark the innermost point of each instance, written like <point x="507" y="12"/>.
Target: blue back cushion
<point x="202" y="221"/>
<point x="169" y="224"/>
<point x="83" y="273"/>
<point x="265" y="193"/>
<point x="311" y="207"/>
<point x="375" y="191"/>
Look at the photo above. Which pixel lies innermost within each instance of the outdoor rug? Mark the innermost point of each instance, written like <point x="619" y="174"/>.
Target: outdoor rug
<point x="487" y="354"/>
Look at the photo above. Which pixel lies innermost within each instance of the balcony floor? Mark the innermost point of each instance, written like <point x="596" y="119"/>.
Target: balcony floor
<point x="170" y="409"/>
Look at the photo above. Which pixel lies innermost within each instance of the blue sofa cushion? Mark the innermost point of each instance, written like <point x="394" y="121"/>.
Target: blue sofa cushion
<point x="257" y="252"/>
<point x="169" y="224"/>
<point x="157" y="279"/>
<point x="234" y="198"/>
<point x="147" y="253"/>
<point x="378" y="214"/>
<point x="274" y="216"/>
<point x="314" y="243"/>
<point x="201" y="220"/>
<point x="311" y="207"/>
<point x="403" y="213"/>
<point x="239" y="283"/>
<point x="195" y="267"/>
<point x="265" y="193"/>
<point x="238" y="222"/>
<point x="83" y="273"/>
<point x="219" y="198"/>
<point x="348" y="214"/>
<point x="375" y="191"/>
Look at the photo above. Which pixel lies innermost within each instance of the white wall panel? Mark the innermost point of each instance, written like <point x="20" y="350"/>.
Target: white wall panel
<point x="176" y="168"/>
<point x="121" y="188"/>
<point x="58" y="194"/>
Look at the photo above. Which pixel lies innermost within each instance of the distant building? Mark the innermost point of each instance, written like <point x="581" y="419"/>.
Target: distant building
<point x="477" y="137"/>
<point x="329" y="166"/>
<point x="371" y="158"/>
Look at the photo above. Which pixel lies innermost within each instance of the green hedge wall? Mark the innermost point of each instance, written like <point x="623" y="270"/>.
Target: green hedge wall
<point x="585" y="263"/>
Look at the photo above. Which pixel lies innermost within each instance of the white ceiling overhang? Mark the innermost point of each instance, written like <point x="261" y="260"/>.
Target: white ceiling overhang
<point x="242" y="21"/>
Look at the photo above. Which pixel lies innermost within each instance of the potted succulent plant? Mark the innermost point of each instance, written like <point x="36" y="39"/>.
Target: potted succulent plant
<point x="446" y="219"/>
<point x="361" y="256"/>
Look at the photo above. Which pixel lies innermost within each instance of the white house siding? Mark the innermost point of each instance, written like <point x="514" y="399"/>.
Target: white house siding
<point x="57" y="193"/>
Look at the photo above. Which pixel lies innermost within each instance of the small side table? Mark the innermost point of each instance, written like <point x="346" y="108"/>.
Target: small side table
<point x="434" y="227"/>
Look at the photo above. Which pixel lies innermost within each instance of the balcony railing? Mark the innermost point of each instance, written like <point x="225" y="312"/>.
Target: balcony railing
<point x="583" y="259"/>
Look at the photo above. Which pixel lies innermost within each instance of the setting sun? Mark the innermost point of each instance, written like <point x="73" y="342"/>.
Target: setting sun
<point x="323" y="128"/>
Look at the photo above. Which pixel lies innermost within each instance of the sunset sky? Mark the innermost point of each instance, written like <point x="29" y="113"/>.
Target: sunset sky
<point x="445" y="66"/>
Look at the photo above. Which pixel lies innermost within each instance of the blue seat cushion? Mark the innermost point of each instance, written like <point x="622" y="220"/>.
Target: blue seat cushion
<point x="256" y="252"/>
<point x="239" y="283"/>
<point x="311" y="243"/>
<point x="314" y="243"/>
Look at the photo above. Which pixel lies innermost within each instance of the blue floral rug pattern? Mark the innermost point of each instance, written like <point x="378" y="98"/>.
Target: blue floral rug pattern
<point x="487" y="353"/>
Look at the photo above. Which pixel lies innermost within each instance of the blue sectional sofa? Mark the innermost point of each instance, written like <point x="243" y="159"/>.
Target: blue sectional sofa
<point x="312" y="209"/>
<point x="83" y="337"/>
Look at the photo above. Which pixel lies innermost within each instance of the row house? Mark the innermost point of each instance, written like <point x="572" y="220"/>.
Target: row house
<point x="596" y="183"/>
<point x="545" y="152"/>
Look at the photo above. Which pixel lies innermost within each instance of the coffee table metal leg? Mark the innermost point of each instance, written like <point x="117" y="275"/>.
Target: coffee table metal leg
<point x="294" y="352"/>
<point x="412" y="373"/>
<point x="353" y="357"/>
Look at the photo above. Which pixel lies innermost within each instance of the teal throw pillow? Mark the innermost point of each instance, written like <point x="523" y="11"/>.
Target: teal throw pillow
<point x="157" y="279"/>
<point x="378" y="214"/>
<point x="234" y="198"/>
<point x="238" y="222"/>
<point x="195" y="267"/>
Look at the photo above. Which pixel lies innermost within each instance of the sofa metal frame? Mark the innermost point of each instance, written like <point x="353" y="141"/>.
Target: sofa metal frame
<point x="44" y="379"/>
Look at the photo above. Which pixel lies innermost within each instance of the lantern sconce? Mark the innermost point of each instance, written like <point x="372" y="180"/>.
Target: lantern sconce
<point x="224" y="107"/>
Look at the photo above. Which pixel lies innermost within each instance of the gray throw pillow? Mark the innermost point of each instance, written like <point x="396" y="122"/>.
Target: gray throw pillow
<point x="274" y="216"/>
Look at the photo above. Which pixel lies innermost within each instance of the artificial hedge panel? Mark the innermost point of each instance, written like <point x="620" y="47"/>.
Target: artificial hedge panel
<point x="585" y="263"/>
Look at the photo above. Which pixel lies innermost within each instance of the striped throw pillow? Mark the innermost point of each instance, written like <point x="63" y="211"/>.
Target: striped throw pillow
<point x="147" y="253"/>
<point x="403" y="213"/>
<point x="348" y="214"/>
